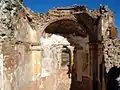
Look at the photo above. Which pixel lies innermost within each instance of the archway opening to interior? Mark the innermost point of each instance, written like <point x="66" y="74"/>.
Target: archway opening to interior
<point x="63" y="41"/>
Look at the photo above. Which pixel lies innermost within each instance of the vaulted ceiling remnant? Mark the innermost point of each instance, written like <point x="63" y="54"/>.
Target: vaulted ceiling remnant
<point x="66" y="27"/>
<point x="69" y="20"/>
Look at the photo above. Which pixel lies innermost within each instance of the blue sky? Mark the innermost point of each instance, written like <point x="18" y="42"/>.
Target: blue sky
<point x="45" y="5"/>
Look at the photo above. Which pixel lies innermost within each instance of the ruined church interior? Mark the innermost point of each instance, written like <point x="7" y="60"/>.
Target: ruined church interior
<point x="67" y="48"/>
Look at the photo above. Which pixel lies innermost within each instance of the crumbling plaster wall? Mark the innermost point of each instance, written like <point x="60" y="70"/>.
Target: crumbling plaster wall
<point x="8" y="8"/>
<point x="52" y="46"/>
<point x="51" y="64"/>
<point x="18" y="54"/>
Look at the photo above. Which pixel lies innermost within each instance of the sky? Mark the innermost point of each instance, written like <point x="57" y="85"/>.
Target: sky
<point x="42" y="6"/>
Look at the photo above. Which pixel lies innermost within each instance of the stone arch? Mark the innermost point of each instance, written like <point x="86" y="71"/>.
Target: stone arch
<point x="79" y="24"/>
<point x="52" y="20"/>
<point x="62" y="19"/>
<point x="67" y="26"/>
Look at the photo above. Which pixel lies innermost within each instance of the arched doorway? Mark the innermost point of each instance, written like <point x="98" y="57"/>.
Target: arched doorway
<point x="77" y="38"/>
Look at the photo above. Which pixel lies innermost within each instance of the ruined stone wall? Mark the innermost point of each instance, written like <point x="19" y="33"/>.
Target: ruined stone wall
<point x="112" y="53"/>
<point x="110" y="41"/>
<point x="8" y="10"/>
<point x="20" y="48"/>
